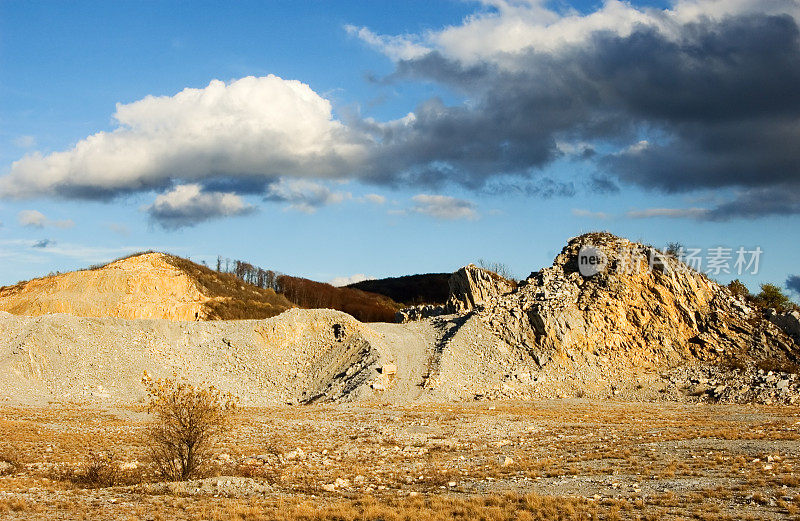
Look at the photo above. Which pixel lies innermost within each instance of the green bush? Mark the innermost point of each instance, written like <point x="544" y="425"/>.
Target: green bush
<point x="772" y="296"/>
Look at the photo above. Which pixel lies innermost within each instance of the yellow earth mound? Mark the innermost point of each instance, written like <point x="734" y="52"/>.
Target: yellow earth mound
<point x="144" y="286"/>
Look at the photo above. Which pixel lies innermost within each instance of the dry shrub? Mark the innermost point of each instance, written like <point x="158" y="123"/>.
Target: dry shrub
<point x="15" y="504"/>
<point x="8" y="464"/>
<point x="101" y="470"/>
<point x="188" y="422"/>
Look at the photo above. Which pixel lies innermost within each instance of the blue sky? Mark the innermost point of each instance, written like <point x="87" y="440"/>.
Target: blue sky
<point x="532" y="122"/>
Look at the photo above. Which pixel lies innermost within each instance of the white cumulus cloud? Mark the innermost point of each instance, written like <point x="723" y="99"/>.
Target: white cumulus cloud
<point x="188" y="205"/>
<point x="36" y="219"/>
<point x="302" y="195"/>
<point x="250" y="130"/>
<point x="444" y="207"/>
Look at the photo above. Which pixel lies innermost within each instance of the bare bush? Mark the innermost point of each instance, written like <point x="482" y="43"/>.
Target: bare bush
<point x="101" y="470"/>
<point x="674" y="250"/>
<point x="499" y="268"/>
<point x="188" y="422"/>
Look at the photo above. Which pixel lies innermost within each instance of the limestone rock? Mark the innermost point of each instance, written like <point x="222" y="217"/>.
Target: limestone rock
<point x="789" y="322"/>
<point x="415" y="313"/>
<point x="646" y="310"/>
<point x="505" y="461"/>
<point x="472" y="286"/>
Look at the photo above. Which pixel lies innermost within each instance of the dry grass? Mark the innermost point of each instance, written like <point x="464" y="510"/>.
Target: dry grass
<point x="571" y="460"/>
<point x="432" y="508"/>
<point x="236" y="299"/>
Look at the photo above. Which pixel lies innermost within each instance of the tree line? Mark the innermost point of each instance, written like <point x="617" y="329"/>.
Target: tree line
<point x="364" y="306"/>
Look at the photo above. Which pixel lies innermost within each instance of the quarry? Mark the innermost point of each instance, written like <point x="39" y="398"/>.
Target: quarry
<point x="644" y="391"/>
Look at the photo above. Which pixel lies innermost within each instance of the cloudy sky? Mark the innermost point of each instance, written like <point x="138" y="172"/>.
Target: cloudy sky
<point x="339" y="140"/>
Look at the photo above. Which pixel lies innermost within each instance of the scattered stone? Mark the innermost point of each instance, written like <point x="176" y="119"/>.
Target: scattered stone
<point x="505" y="461"/>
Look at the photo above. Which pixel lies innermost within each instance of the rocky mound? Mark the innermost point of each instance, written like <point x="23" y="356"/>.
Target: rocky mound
<point x="300" y="356"/>
<point x="641" y="327"/>
<point x="150" y="285"/>
<point x="644" y="310"/>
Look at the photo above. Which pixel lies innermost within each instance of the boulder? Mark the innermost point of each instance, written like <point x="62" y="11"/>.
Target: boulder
<point x="505" y="461"/>
<point x="389" y="369"/>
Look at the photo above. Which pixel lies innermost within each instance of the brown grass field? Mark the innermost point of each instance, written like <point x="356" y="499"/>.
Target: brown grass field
<point x="548" y="460"/>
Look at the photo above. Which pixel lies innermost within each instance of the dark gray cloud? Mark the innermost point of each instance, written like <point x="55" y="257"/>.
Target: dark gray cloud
<point x="793" y="283"/>
<point x="719" y="104"/>
<point x="44" y="243"/>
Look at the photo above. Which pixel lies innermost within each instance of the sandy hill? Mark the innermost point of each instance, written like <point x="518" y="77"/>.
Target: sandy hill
<point x="148" y="285"/>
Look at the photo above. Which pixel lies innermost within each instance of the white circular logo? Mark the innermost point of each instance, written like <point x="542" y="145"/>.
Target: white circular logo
<point x="591" y="260"/>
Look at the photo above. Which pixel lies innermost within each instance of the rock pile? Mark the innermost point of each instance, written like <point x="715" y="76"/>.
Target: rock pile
<point x="421" y="312"/>
<point x="745" y="385"/>
<point x="645" y="310"/>
<point x="301" y="356"/>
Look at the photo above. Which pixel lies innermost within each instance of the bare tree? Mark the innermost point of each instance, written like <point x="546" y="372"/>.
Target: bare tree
<point x="674" y="250"/>
<point x="497" y="267"/>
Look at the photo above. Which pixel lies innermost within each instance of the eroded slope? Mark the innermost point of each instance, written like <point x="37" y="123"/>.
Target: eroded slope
<point x="150" y="285"/>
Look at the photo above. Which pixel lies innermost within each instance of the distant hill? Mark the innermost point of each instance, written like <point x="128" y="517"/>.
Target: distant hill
<point x="428" y="288"/>
<point x="159" y="285"/>
<point x="146" y="285"/>
<point x="364" y="306"/>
